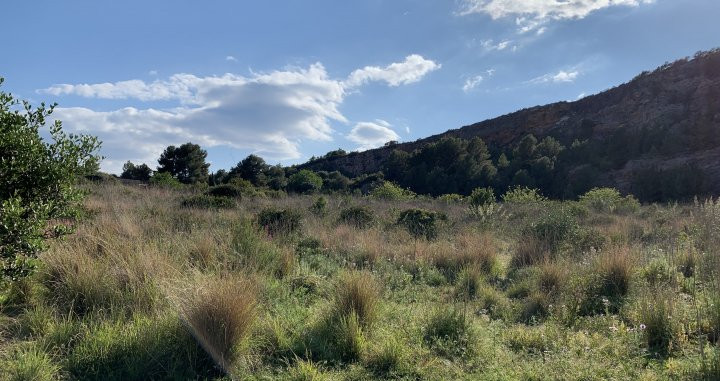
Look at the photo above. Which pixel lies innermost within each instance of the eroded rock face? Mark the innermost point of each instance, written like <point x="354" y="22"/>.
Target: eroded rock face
<point x="682" y="96"/>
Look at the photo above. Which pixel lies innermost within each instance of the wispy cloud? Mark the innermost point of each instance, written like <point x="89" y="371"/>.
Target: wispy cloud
<point x="532" y="14"/>
<point x="559" y="77"/>
<point x="230" y="58"/>
<point x="473" y="82"/>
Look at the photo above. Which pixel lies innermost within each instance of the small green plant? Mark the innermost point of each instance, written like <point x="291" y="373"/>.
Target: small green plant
<point x="419" y="223"/>
<point x="28" y="364"/>
<point x="469" y="284"/>
<point x="358" y="216"/>
<point x="451" y="198"/>
<point x="279" y="221"/>
<point x="202" y="201"/>
<point x="390" y="358"/>
<point x="609" y="200"/>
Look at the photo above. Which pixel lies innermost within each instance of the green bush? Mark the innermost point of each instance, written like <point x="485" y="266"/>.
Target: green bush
<point x="481" y="197"/>
<point x="389" y="191"/>
<point x="165" y="180"/>
<point x="451" y="198"/>
<point x="419" y="223"/>
<point x="225" y="190"/>
<point x="37" y="181"/>
<point x="554" y="228"/>
<point x="358" y="216"/>
<point x="202" y="201"/>
<point x="305" y="181"/>
<point x="609" y="200"/>
<point x="522" y="195"/>
<point x="279" y="221"/>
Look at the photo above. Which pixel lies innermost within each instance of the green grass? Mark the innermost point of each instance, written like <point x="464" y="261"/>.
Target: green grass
<point x="539" y="290"/>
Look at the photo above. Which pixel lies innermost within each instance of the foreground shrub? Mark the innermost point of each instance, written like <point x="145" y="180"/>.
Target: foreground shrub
<point x="553" y="228"/>
<point x="419" y="223"/>
<point x="480" y="199"/>
<point x="220" y="315"/>
<point x="37" y="181"/>
<point x="358" y="216"/>
<point x="279" y="221"/>
<point x="208" y="202"/>
<point x="304" y="181"/>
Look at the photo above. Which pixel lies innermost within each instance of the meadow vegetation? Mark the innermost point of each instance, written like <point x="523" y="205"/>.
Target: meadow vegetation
<point x="180" y="282"/>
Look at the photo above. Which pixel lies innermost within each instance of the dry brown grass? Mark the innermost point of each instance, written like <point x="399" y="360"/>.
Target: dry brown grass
<point x="529" y="251"/>
<point x="357" y="293"/>
<point x="470" y="250"/>
<point x="220" y="313"/>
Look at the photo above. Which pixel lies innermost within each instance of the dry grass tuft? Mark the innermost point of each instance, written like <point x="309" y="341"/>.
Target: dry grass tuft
<point x="220" y="315"/>
<point x="357" y="293"/>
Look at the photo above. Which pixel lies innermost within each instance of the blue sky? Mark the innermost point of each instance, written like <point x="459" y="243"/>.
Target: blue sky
<point x="291" y="79"/>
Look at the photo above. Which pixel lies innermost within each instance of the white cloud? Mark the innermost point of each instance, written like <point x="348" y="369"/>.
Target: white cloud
<point x="372" y="134"/>
<point x="559" y="77"/>
<point x="471" y="83"/>
<point x="532" y="14"/>
<point x="413" y="69"/>
<point x="267" y="113"/>
<point x="231" y="58"/>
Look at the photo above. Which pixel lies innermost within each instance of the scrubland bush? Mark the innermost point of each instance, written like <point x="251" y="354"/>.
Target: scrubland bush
<point x="609" y="282"/>
<point x="658" y="324"/>
<point x="419" y="223"/>
<point x="522" y="195"/>
<point x="225" y="190"/>
<point x="165" y="180"/>
<point x="389" y="191"/>
<point x="451" y="198"/>
<point x="208" y="202"/>
<point x="357" y="293"/>
<point x="358" y="216"/>
<point x="609" y="200"/>
<point x="279" y="221"/>
<point x="480" y="252"/>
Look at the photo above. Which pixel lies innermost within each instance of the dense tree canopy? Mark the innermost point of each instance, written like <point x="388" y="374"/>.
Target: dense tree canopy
<point x="186" y="163"/>
<point x="136" y="172"/>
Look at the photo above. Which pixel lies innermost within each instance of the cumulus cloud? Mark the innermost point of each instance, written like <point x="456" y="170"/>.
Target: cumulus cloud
<point x="471" y="83"/>
<point x="559" y="77"/>
<point x="267" y="113"/>
<point x="532" y="14"/>
<point x="372" y="134"/>
<point x="413" y="69"/>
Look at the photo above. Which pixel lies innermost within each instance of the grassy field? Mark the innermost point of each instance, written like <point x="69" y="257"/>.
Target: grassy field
<point x="161" y="284"/>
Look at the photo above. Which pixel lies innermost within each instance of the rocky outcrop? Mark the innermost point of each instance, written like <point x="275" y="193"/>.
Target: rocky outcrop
<point x="684" y="95"/>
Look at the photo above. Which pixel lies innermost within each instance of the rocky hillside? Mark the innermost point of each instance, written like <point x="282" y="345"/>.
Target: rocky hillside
<point x="677" y="104"/>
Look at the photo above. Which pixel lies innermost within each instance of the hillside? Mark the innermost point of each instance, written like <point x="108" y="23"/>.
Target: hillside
<point x="659" y="121"/>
